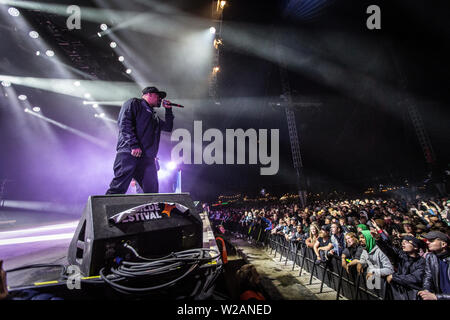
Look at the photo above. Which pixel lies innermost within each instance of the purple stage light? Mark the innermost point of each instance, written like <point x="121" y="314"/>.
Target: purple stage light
<point x="171" y="165"/>
<point x="162" y="174"/>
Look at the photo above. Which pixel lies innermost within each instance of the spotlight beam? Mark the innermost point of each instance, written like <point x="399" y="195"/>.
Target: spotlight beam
<point x="105" y="102"/>
<point x="38" y="206"/>
<point x="127" y="19"/>
<point x="79" y="133"/>
<point x="100" y="90"/>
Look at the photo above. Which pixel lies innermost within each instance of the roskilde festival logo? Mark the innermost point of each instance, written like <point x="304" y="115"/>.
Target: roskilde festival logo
<point x="148" y="211"/>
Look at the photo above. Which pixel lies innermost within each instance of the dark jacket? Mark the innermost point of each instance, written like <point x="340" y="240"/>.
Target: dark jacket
<point x="431" y="279"/>
<point x="140" y="127"/>
<point x="407" y="281"/>
<point x="338" y="244"/>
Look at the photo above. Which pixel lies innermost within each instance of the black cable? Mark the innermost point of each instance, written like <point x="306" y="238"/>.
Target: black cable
<point x="126" y="245"/>
<point x="126" y="289"/>
<point x="128" y="270"/>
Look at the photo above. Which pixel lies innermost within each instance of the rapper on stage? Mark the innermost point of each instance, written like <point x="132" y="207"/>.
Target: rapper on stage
<point x="137" y="147"/>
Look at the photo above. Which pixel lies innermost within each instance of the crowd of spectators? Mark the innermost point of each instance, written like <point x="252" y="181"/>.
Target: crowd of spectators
<point x="402" y="242"/>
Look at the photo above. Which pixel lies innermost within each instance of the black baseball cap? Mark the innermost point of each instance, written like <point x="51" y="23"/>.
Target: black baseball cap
<point x="416" y="242"/>
<point x="437" y="235"/>
<point x="161" y="94"/>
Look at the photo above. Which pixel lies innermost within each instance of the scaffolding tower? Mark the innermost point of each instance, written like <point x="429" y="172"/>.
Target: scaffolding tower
<point x="292" y="128"/>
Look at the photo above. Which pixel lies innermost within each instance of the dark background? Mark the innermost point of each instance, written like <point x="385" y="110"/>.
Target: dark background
<point x="360" y="136"/>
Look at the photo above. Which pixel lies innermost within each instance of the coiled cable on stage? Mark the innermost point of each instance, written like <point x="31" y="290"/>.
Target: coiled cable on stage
<point x="184" y="262"/>
<point x="172" y="268"/>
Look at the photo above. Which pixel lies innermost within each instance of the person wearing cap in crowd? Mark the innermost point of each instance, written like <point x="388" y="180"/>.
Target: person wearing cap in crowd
<point x="138" y="142"/>
<point x="407" y="280"/>
<point x="436" y="282"/>
<point x="323" y="245"/>
<point x="292" y="224"/>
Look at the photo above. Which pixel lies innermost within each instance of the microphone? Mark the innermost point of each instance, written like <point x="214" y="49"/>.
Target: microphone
<point x="174" y="104"/>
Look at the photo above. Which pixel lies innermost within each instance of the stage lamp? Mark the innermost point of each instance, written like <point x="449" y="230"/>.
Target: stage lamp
<point x="14" y="12"/>
<point x="33" y="34"/>
<point x="87" y="95"/>
<point x="212" y="30"/>
<point x="77" y="83"/>
<point x="222" y="4"/>
<point x="36" y="109"/>
<point x="217" y="43"/>
<point x="216" y="69"/>
<point x="99" y="34"/>
<point x="103" y="26"/>
<point x="113" y="44"/>
<point x="128" y="71"/>
<point x="121" y="58"/>
<point x="6" y="83"/>
<point x="38" y="53"/>
<point x="50" y="53"/>
<point x="171" y="165"/>
<point x="95" y="105"/>
<point x="22" y="97"/>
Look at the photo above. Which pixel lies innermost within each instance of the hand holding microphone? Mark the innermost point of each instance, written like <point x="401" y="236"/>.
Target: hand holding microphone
<point x="168" y="104"/>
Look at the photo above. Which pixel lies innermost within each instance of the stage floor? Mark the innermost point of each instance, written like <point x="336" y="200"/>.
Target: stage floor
<point x="44" y="252"/>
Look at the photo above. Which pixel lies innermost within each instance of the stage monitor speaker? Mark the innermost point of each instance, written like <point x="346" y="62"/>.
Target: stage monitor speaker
<point x="154" y="224"/>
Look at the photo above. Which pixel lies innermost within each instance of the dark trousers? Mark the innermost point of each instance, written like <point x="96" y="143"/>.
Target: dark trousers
<point x="127" y="167"/>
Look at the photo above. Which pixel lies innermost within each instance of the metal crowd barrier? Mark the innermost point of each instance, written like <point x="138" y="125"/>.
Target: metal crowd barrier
<point x="350" y="285"/>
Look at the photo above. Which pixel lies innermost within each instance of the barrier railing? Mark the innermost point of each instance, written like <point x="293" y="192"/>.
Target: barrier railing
<point x="352" y="285"/>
